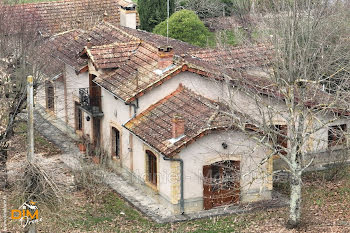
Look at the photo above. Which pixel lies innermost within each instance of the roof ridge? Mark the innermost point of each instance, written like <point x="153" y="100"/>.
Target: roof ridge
<point x="121" y="30"/>
<point x="115" y="44"/>
<point x="65" y="32"/>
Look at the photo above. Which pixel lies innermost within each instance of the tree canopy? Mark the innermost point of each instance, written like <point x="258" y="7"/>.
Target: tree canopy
<point x="152" y="12"/>
<point x="186" y="26"/>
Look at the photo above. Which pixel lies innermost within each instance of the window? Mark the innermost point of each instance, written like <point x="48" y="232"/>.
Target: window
<point x="78" y="117"/>
<point x="152" y="167"/>
<point x="115" y="142"/>
<point x="336" y="135"/>
<point x="281" y="139"/>
<point x="50" y="96"/>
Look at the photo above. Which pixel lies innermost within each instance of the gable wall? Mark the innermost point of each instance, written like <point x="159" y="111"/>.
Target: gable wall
<point x="256" y="182"/>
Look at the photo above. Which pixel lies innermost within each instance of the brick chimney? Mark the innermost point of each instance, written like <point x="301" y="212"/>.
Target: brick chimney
<point x="128" y="16"/>
<point x="89" y="43"/>
<point x="165" y="57"/>
<point x="178" y="128"/>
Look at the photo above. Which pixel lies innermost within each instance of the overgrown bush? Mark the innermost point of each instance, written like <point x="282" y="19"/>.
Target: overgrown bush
<point x="186" y="26"/>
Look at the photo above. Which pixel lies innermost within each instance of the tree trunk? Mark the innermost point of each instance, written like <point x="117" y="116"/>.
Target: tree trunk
<point x="3" y="170"/>
<point x="295" y="201"/>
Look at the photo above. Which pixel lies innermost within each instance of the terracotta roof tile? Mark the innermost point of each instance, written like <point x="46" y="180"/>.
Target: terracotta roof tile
<point x="66" y="46"/>
<point x="235" y="57"/>
<point x="58" y="16"/>
<point x="113" y="55"/>
<point x="201" y="115"/>
<point x="179" y="47"/>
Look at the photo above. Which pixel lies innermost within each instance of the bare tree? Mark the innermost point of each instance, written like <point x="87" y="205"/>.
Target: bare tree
<point x="296" y="106"/>
<point x="203" y="8"/>
<point x="19" y="58"/>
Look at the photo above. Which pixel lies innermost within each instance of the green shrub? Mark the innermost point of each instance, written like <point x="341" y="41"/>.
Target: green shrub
<point x="186" y="26"/>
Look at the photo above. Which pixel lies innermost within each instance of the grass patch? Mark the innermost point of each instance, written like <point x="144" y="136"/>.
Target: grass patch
<point x="41" y="145"/>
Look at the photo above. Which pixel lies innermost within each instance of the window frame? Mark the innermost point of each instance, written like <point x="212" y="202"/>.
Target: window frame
<point x="152" y="168"/>
<point x="280" y="142"/>
<point x="336" y="135"/>
<point x="50" y="96"/>
<point x="116" y="144"/>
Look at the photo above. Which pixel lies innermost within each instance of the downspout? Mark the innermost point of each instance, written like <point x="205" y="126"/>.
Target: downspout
<point x="182" y="201"/>
<point x="136" y="106"/>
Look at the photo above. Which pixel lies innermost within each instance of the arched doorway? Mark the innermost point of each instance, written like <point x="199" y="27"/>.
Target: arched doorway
<point x="221" y="184"/>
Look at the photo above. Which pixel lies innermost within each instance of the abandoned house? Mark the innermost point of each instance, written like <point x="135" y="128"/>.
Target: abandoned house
<point x="152" y="109"/>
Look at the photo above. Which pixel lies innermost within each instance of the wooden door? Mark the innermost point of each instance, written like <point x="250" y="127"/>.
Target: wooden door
<point x="78" y="116"/>
<point x="221" y="184"/>
<point x="95" y="92"/>
<point x="96" y="131"/>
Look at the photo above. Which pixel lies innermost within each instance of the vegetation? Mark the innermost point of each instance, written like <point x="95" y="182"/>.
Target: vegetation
<point x="152" y="12"/>
<point x="186" y="26"/>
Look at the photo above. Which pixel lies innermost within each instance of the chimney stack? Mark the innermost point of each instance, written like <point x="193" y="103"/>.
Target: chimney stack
<point x="178" y="128"/>
<point x="128" y="16"/>
<point x="165" y="57"/>
<point x="89" y="43"/>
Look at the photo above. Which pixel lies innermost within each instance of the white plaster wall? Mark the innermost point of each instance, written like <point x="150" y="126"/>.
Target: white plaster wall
<point x="40" y="97"/>
<point x="139" y="158"/>
<point x="214" y="90"/>
<point x="319" y="139"/>
<point x="164" y="170"/>
<point x="116" y="113"/>
<point x="73" y="83"/>
<point x="87" y="127"/>
<point x="204" y="86"/>
<point x="128" y="18"/>
<point x="59" y="101"/>
<point x="208" y="150"/>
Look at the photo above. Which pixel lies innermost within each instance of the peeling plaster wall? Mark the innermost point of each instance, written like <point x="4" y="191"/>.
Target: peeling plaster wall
<point x="59" y="101"/>
<point x="73" y="83"/>
<point x="256" y="182"/>
<point x="116" y="113"/>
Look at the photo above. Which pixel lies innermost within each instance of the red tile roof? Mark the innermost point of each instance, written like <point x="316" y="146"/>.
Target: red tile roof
<point x="236" y="57"/>
<point x="59" y="16"/>
<point x="66" y="46"/>
<point x="155" y="40"/>
<point x="136" y="73"/>
<point x="112" y="55"/>
<point x="201" y="115"/>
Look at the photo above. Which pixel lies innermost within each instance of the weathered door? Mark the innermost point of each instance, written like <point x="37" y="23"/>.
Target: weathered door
<point x="221" y="183"/>
<point x="96" y="122"/>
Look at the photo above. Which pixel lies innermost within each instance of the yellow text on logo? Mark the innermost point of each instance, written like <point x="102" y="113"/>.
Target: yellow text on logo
<point x="23" y="213"/>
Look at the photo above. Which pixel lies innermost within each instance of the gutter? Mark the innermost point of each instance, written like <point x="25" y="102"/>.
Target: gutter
<point x="136" y="106"/>
<point x="182" y="201"/>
